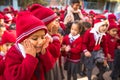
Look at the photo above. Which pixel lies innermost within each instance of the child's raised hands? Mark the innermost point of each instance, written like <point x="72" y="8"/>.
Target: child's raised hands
<point x="29" y="48"/>
<point x="45" y="45"/>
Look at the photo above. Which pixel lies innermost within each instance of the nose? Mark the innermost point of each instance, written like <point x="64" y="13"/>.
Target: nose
<point x="39" y="42"/>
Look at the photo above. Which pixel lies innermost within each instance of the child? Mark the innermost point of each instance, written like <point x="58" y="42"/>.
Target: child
<point x="29" y="57"/>
<point x="8" y="38"/>
<point x="73" y="12"/>
<point x="51" y="21"/>
<point x="72" y="46"/>
<point x="92" y="41"/>
<point x="115" y="75"/>
<point x="112" y="43"/>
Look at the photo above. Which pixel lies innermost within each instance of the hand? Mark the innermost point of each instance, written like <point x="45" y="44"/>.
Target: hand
<point x="45" y="45"/>
<point x="29" y="48"/>
<point x="63" y="48"/>
<point x="109" y="56"/>
<point x="67" y="49"/>
<point x="87" y="54"/>
<point x="105" y="63"/>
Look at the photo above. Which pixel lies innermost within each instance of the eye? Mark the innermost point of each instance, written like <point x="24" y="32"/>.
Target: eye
<point x="35" y="38"/>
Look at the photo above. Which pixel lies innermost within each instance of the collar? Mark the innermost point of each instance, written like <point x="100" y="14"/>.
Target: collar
<point x="75" y="37"/>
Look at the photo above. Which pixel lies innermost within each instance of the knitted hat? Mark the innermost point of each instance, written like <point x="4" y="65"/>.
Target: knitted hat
<point x="27" y="24"/>
<point x="9" y="37"/>
<point x="100" y="20"/>
<point x="111" y="16"/>
<point x="112" y="25"/>
<point x="45" y="14"/>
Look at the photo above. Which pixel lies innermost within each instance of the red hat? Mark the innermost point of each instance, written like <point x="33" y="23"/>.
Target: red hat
<point x="9" y="37"/>
<point x="111" y="16"/>
<point x="92" y="13"/>
<point x="27" y="24"/>
<point x="105" y="11"/>
<point x="99" y="20"/>
<point x="47" y="15"/>
<point x="112" y="25"/>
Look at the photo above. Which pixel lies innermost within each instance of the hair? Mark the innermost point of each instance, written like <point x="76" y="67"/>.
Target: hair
<point x="74" y="1"/>
<point x="80" y="25"/>
<point x="87" y="24"/>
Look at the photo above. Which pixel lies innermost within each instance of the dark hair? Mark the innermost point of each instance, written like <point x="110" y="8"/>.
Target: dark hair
<point x="87" y="24"/>
<point x="80" y="25"/>
<point x="74" y="1"/>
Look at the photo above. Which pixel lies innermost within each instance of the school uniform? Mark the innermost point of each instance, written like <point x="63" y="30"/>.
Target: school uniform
<point x="93" y="41"/>
<point x="2" y="67"/>
<point x="48" y="16"/>
<point x="22" y="66"/>
<point x="73" y="56"/>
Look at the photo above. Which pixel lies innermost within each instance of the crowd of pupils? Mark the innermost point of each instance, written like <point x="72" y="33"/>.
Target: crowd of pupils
<point x="39" y="43"/>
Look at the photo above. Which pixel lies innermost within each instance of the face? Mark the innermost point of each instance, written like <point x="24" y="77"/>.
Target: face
<point x="74" y="29"/>
<point x="6" y="47"/>
<point x="53" y="25"/>
<point x="103" y="28"/>
<point x="113" y="32"/>
<point x="76" y="6"/>
<point x="37" y="39"/>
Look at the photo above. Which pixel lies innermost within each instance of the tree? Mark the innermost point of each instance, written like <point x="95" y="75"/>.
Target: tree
<point x="25" y="3"/>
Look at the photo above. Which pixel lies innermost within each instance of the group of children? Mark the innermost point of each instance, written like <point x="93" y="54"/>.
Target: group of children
<point x="32" y="48"/>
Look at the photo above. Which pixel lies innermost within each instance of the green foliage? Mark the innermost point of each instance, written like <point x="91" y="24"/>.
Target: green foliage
<point x="25" y="3"/>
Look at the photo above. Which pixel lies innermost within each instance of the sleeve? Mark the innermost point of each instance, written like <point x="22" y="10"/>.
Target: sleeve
<point x="85" y="41"/>
<point x="105" y="45"/>
<point x="47" y="60"/>
<point x="19" y="68"/>
<point x="54" y="47"/>
<point x="2" y="65"/>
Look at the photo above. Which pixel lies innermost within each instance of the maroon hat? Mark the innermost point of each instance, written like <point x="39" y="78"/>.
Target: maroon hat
<point x="112" y="24"/>
<point x="27" y="24"/>
<point x="111" y="16"/>
<point x="47" y="15"/>
<point x="8" y="37"/>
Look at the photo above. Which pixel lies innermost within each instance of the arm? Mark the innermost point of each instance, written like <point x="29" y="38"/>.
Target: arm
<point x="19" y="68"/>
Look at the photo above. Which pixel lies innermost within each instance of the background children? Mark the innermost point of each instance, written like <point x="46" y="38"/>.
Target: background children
<point x="72" y="46"/>
<point x="112" y="43"/>
<point x="92" y="42"/>
<point x="73" y="12"/>
<point x="29" y="57"/>
<point x="8" y="39"/>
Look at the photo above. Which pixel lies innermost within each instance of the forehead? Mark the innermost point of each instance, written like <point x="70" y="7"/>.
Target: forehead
<point x="39" y="32"/>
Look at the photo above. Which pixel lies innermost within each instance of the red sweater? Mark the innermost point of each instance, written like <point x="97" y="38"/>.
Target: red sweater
<point x="19" y="68"/>
<point x="76" y="48"/>
<point x="2" y="67"/>
<point x="112" y="43"/>
<point x="89" y="42"/>
<point x="54" y="47"/>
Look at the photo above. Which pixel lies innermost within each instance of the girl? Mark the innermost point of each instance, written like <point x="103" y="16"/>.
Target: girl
<point x="112" y="43"/>
<point x="51" y="21"/>
<point x="92" y="41"/>
<point x="29" y="57"/>
<point x="72" y="46"/>
<point x="8" y="38"/>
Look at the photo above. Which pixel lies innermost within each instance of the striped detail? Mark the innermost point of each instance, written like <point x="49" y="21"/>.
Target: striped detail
<point x="56" y="38"/>
<point x="30" y="31"/>
<point x="49" y="18"/>
<point x="17" y="47"/>
<point x="74" y="60"/>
